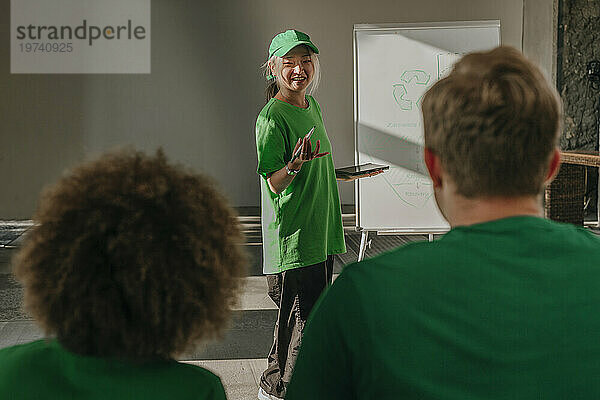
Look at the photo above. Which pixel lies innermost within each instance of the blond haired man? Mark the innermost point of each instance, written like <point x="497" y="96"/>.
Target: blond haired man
<point x="505" y="305"/>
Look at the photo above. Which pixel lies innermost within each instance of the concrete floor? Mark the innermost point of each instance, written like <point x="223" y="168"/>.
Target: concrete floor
<point x="239" y="377"/>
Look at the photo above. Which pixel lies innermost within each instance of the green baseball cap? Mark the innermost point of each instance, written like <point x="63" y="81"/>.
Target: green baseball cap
<point x="285" y="41"/>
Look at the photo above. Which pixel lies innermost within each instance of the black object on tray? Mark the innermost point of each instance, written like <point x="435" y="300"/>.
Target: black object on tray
<point x="356" y="170"/>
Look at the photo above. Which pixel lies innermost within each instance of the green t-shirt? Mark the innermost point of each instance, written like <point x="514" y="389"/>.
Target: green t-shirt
<point x="45" y="370"/>
<point x="506" y="309"/>
<point x="302" y="225"/>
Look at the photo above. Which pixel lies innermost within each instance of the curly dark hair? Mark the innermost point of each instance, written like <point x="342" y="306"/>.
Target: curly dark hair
<point x="132" y="257"/>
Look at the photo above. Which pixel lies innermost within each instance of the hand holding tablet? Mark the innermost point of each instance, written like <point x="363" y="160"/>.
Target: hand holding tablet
<point x="360" y="171"/>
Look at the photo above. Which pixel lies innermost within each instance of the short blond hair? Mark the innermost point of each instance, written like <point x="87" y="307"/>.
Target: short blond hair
<point x="494" y="122"/>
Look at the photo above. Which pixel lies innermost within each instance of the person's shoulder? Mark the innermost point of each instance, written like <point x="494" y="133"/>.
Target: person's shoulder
<point x="195" y="370"/>
<point x="21" y="352"/>
<point x="23" y="360"/>
<point x="273" y="114"/>
<point x="270" y="117"/>
<point x="273" y="109"/>
<point x="195" y="374"/>
<point x="568" y="229"/>
<point x="181" y="378"/>
<point x="541" y="231"/>
<point x="399" y="266"/>
<point x="573" y="236"/>
<point x="391" y="275"/>
<point x="314" y="102"/>
<point x="267" y="109"/>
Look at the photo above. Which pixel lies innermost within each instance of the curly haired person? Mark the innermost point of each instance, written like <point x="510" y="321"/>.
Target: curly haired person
<point x="132" y="261"/>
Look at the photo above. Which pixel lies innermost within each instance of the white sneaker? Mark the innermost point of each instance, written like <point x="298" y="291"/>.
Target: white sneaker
<point x="262" y="395"/>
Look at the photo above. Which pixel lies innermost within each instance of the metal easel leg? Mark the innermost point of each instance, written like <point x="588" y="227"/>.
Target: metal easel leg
<point x="363" y="245"/>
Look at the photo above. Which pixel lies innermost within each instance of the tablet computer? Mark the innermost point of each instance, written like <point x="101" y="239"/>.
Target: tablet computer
<point x="362" y="169"/>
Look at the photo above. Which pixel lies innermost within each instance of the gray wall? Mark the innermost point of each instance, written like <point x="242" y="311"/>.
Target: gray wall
<point x="205" y="90"/>
<point x="540" y="33"/>
<point x="579" y="43"/>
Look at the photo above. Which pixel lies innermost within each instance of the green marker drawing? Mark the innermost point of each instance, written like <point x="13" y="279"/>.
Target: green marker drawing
<point x="402" y="91"/>
<point x="421" y="77"/>
<point x="399" y="93"/>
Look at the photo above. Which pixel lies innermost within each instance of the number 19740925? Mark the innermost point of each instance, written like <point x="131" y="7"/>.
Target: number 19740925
<point x="36" y="47"/>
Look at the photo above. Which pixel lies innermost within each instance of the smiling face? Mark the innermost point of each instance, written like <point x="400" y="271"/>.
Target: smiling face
<point x="295" y="70"/>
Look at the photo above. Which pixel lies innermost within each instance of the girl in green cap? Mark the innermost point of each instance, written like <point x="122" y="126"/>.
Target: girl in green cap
<point x="301" y="213"/>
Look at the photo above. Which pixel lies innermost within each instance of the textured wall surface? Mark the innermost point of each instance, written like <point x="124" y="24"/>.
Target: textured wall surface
<point x="579" y="26"/>
<point x="578" y="43"/>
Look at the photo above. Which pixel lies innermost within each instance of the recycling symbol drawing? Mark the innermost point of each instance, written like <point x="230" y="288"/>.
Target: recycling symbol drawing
<point x="410" y="91"/>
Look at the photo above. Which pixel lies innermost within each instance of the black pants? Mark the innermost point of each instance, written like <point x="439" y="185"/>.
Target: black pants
<point x="295" y="292"/>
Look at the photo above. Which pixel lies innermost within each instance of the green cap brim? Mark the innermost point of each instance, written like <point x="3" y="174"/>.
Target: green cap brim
<point x="282" y="51"/>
